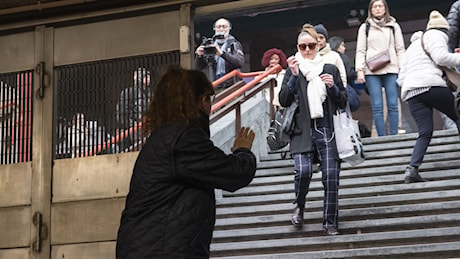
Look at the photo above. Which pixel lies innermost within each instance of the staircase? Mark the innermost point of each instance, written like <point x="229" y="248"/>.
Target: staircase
<point x="380" y="216"/>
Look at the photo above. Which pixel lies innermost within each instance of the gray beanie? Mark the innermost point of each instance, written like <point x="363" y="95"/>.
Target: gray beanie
<point x="321" y="30"/>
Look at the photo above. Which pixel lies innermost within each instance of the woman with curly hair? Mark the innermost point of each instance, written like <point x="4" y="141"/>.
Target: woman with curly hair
<point x="170" y="208"/>
<point x="271" y="58"/>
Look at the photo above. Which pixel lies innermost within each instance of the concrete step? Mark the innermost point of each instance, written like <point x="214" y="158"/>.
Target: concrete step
<point x="380" y="216"/>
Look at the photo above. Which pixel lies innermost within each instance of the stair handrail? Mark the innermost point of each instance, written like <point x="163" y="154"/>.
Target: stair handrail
<point x="258" y="76"/>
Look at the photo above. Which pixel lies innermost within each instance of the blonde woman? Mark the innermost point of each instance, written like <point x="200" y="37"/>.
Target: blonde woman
<point x="320" y="92"/>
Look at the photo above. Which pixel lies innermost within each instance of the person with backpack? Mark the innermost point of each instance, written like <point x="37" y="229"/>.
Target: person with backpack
<point x="380" y="34"/>
<point x="424" y="87"/>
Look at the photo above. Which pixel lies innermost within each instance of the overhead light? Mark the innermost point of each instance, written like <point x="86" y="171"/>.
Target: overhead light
<point x="353" y="21"/>
<point x="355" y="17"/>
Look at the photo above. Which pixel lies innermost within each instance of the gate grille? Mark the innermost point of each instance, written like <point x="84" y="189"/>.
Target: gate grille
<point x="88" y="107"/>
<point x="16" y="117"/>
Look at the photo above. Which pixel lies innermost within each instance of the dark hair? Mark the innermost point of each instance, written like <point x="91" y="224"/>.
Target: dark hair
<point x="334" y="42"/>
<point x="177" y="98"/>
<point x="386" y="16"/>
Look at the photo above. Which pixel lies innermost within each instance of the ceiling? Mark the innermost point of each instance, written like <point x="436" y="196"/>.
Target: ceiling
<point x="256" y="15"/>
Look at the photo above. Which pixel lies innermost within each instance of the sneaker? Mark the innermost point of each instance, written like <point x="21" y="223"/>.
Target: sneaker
<point x="401" y="131"/>
<point x="331" y="231"/>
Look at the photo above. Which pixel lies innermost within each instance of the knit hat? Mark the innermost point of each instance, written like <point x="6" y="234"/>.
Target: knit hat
<point x="437" y="21"/>
<point x="268" y="54"/>
<point x="321" y="30"/>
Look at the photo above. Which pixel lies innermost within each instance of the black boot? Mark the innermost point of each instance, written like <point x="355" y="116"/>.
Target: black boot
<point x="297" y="218"/>
<point x="411" y="175"/>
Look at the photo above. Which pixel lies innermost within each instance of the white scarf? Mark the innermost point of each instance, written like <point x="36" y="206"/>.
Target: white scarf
<point x="316" y="90"/>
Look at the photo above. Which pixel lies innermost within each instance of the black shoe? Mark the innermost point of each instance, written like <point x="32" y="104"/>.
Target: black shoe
<point x="297" y="218"/>
<point x="331" y="231"/>
<point x="412" y="175"/>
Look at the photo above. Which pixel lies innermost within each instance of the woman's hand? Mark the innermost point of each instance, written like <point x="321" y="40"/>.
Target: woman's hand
<point x="244" y="139"/>
<point x="360" y="77"/>
<point x="293" y="65"/>
<point x="328" y="79"/>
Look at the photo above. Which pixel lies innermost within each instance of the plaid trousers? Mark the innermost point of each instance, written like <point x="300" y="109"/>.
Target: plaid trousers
<point x="330" y="168"/>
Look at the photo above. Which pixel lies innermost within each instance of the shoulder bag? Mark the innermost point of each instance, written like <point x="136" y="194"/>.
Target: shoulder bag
<point x="282" y="126"/>
<point x="381" y="59"/>
<point x="451" y="76"/>
<point x="347" y="137"/>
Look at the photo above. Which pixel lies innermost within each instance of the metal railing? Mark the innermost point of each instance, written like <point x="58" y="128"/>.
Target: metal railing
<point x="16" y="102"/>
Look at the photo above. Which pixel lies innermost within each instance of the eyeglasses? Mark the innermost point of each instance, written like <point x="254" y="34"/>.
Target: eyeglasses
<point x="377" y="6"/>
<point x="221" y="26"/>
<point x="311" y="46"/>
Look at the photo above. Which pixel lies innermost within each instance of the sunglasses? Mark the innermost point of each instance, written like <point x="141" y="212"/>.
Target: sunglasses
<point x="304" y="46"/>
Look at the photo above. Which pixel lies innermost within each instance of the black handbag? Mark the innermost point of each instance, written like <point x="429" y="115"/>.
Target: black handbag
<point x="275" y="140"/>
<point x="282" y="126"/>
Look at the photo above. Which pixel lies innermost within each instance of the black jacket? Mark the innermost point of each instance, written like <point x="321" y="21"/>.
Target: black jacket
<point x="233" y="56"/>
<point x="453" y="18"/>
<point x="301" y="139"/>
<point x="170" y="207"/>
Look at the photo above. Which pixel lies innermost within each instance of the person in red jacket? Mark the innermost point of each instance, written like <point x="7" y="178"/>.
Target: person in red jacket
<point x="170" y="209"/>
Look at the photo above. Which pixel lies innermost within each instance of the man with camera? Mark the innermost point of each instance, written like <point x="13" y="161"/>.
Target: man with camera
<point x="220" y="54"/>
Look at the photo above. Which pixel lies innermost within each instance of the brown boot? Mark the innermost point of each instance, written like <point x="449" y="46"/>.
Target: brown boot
<point x="297" y="218"/>
<point x="411" y="175"/>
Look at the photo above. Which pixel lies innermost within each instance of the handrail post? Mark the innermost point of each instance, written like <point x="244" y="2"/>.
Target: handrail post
<point x="272" y="96"/>
<point x="237" y="118"/>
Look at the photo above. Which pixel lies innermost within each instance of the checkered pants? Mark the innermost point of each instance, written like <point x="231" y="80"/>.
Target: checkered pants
<point x="330" y="168"/>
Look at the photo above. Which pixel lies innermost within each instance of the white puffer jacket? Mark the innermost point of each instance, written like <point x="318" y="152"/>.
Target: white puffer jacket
<point x="418" y="71"/>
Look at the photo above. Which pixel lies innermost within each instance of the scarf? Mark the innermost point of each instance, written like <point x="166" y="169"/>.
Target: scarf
<point x="316" y="89"/>
<point x="220" y="62"/>
<point x="380" y="22"/>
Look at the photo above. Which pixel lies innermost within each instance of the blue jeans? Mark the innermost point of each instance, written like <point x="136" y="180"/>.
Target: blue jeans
<point x="374" y="85"/>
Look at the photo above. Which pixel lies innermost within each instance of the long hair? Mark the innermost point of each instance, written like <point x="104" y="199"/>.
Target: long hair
<point x="386" y="16"/>
<point x="177" y="98"/>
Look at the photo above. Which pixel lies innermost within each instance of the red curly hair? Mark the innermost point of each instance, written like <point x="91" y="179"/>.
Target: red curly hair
<point x="268" y="54"/>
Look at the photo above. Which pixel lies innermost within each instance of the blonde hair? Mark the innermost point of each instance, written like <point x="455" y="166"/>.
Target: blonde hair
<point x="309" y="29"/>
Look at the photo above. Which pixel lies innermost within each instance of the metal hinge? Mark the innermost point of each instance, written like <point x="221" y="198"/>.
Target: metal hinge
<point x="42" y="78"/>
<point x="41" y="232"/>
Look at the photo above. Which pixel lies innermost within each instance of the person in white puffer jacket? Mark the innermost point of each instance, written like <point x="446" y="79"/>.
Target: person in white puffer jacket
<point x="424" y="88"/>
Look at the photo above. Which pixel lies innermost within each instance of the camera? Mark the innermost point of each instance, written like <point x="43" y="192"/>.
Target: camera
<point x="207" y="42"/>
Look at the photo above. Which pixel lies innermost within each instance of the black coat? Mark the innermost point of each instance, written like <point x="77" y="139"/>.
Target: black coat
<point x="453" y="18"/>
<point x="233" y="56"/>
<point x="301" y="139"/>
<point x="170" y="208"/>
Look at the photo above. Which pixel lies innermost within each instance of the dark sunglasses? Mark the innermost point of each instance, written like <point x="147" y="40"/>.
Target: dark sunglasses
<point x="310" y="46"/>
